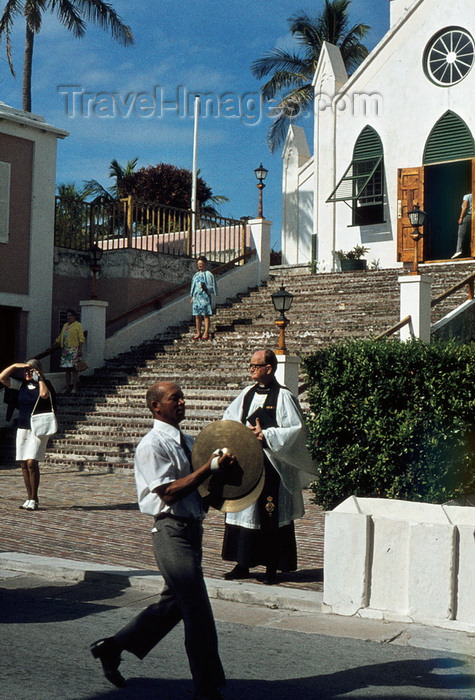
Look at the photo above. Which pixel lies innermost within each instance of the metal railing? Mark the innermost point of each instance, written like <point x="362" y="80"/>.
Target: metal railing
<point x="469" y="281"/>
<point x="397" y="327"/>
<point x="129" y="224"/>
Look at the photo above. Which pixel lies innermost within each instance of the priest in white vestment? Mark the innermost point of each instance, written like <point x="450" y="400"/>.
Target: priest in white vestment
<point x="263" y="534"/>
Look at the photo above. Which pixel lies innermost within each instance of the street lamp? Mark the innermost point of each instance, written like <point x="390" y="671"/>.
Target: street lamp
<point x="417" y="218"/>
<point x="282" y="301"/>
<point x="261" y="174"/>
<point x="95" y="255"/>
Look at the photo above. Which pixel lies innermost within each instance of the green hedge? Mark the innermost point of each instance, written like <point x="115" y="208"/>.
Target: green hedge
<point x="392" y="420"/>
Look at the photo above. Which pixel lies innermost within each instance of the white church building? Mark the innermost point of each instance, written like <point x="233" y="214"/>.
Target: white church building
<point x="398" y="132"/>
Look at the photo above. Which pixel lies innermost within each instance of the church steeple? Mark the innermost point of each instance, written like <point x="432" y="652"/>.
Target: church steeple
<point x="397" y="9"/>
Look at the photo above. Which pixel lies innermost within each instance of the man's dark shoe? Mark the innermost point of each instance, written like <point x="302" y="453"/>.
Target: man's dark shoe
<point x="108" y="653"/>
<point x="270" y="577"/>
<point x="212" y="695"/>
<point x="237" y="573"/>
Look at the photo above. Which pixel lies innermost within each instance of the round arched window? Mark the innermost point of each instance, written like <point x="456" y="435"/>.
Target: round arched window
<point x="449" y="56"/>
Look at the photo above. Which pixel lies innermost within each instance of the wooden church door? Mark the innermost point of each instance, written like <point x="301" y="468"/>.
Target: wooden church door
<point x="410" y="193"/>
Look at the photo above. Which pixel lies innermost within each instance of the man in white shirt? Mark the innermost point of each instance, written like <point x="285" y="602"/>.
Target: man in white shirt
<point x="263" y="534"/>
<point x="167" y="490"/>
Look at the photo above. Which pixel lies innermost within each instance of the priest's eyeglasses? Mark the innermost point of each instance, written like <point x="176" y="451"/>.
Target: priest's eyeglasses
<point x="253" y="367"/>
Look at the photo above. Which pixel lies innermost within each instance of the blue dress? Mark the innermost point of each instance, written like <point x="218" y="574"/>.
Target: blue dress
<point x="202" y="297"/>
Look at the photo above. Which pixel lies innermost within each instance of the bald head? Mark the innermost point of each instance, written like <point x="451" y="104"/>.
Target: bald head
<point x="165" y="401"/>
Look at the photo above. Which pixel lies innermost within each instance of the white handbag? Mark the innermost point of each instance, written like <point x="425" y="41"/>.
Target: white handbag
<point x="43" y="424"/>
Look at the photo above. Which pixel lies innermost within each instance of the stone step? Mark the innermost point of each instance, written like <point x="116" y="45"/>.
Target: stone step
<point x="100" y="427"/>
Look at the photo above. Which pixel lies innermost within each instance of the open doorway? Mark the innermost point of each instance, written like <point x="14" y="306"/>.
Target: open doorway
<point x="9" y="327"/>
<point x="444" y="187"/>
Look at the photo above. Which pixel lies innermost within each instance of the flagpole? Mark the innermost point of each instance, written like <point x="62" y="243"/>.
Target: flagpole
<point x="195" y="160"/>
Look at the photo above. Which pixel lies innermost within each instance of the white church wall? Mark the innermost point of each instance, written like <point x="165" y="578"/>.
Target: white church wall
<point x="391" y="93"/>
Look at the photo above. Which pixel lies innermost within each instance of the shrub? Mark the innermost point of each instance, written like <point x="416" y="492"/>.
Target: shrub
<point x="393" y="420"/>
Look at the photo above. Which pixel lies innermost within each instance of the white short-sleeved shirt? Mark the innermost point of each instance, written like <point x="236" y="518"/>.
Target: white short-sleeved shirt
<point x="159" y="460"/>
<point x="468" y="198"/>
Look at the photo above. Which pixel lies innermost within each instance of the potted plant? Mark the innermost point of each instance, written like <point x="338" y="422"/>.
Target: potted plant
<point x="352" y="259"/>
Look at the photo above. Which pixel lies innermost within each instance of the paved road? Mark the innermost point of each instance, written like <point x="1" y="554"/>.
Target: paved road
<point x="47" y="625"/>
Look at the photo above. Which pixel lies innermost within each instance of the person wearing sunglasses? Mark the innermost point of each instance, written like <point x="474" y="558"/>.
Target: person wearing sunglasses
<point x="263" y="534"/>
<point x="30" y="449"/>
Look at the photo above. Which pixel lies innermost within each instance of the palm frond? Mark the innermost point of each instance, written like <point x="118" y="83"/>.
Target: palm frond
<point x="282" y="81"/>
<point x="104" y="15"/>
<point x="292" y="73"/>
<point x="69" y="16"/>
<point x="10" y="11"/>
<point x="277" y="60"/>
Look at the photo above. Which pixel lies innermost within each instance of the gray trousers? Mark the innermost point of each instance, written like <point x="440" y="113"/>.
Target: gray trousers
<point x="177" y="547"/>
<point x="463" y="233"/>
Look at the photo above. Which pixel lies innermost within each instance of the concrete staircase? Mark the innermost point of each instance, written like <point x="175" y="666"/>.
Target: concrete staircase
<point x="100" y="427"/>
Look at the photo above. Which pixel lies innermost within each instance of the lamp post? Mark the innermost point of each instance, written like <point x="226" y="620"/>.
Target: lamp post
<point x="95" y="255"/>
<point x="282" y="301"/>
<point x="261" y="174"/>
<point x="417" y="218"/>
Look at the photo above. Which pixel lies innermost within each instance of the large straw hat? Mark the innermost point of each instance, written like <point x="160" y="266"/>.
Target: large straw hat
<point x="233" y="489"/>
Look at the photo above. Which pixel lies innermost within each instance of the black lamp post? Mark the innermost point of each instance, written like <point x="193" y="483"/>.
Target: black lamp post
<point x="95" y="255"/>
<point x="417" y="218"/>
<point x="282" y="301"/>
<point x="261" y="174"/>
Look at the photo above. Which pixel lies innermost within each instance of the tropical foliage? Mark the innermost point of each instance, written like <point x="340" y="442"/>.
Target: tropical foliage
<point x="290" y="85"/>
<point x="393" y="420"/>
<point x="71" y="217"/>
<point x="73" y="14"/>
<point x="117" y="172"/>
<point x="164" y="183"/>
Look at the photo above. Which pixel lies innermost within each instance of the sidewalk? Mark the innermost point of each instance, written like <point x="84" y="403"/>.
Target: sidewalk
<point x="89" y="529"/>
<point x="93" y="517"/>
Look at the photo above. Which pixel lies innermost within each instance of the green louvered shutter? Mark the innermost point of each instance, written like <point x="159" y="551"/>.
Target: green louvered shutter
<point x="364" y="173"/>
<point x="368" y="145"/>
<point x="450" y="139"/>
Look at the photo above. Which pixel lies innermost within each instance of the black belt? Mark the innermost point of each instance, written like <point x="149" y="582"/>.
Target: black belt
<point x="182" y="518"/>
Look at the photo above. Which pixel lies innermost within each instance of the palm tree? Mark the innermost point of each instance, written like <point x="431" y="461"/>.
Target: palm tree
<point x="70" y="225"/>
<point x="73" y="14"/>
<point x="117" y="173"/>
<point x="291" y="81"/>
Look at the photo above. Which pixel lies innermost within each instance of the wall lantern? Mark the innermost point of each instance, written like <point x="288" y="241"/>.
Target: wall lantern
<point x="95" y="255"/>
<point x="261" y="174"/>
<point x="282" y="301"/>
<point x="417" y="218"/>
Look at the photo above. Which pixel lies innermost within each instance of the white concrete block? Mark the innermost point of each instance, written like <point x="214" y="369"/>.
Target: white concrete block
<point x="350" y="505"/>
<point x="460" y="515"/>
<point x="389" y="566"/>
<point x="396" y="510"/>
<point x="287" y="372"/>
<point x="388" y="559"/>
<point x="345" y="588"/>
<point x="93" y="320"/>
<point x="415" y="302"/>
<point x="465" y="610"/>
<point x="432" y="555"/>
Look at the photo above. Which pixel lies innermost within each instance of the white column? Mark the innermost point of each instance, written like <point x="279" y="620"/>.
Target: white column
<point x="287" y="372"/>
<point x="93" y="320"/>
<point x="415" y="302"/>
<point x="260" y="240"/>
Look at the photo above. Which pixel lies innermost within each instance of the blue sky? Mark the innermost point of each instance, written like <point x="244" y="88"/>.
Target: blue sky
<point x="132" y="102"/>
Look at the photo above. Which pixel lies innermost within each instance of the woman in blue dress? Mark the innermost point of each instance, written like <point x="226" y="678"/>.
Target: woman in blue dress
<point x="203" y="285"/>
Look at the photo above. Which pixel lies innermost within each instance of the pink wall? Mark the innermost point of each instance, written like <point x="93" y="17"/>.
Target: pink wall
<point x="14" y="255"/>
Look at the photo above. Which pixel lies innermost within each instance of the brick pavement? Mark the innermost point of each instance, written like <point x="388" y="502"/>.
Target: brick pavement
<point x="93" y="516"/>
